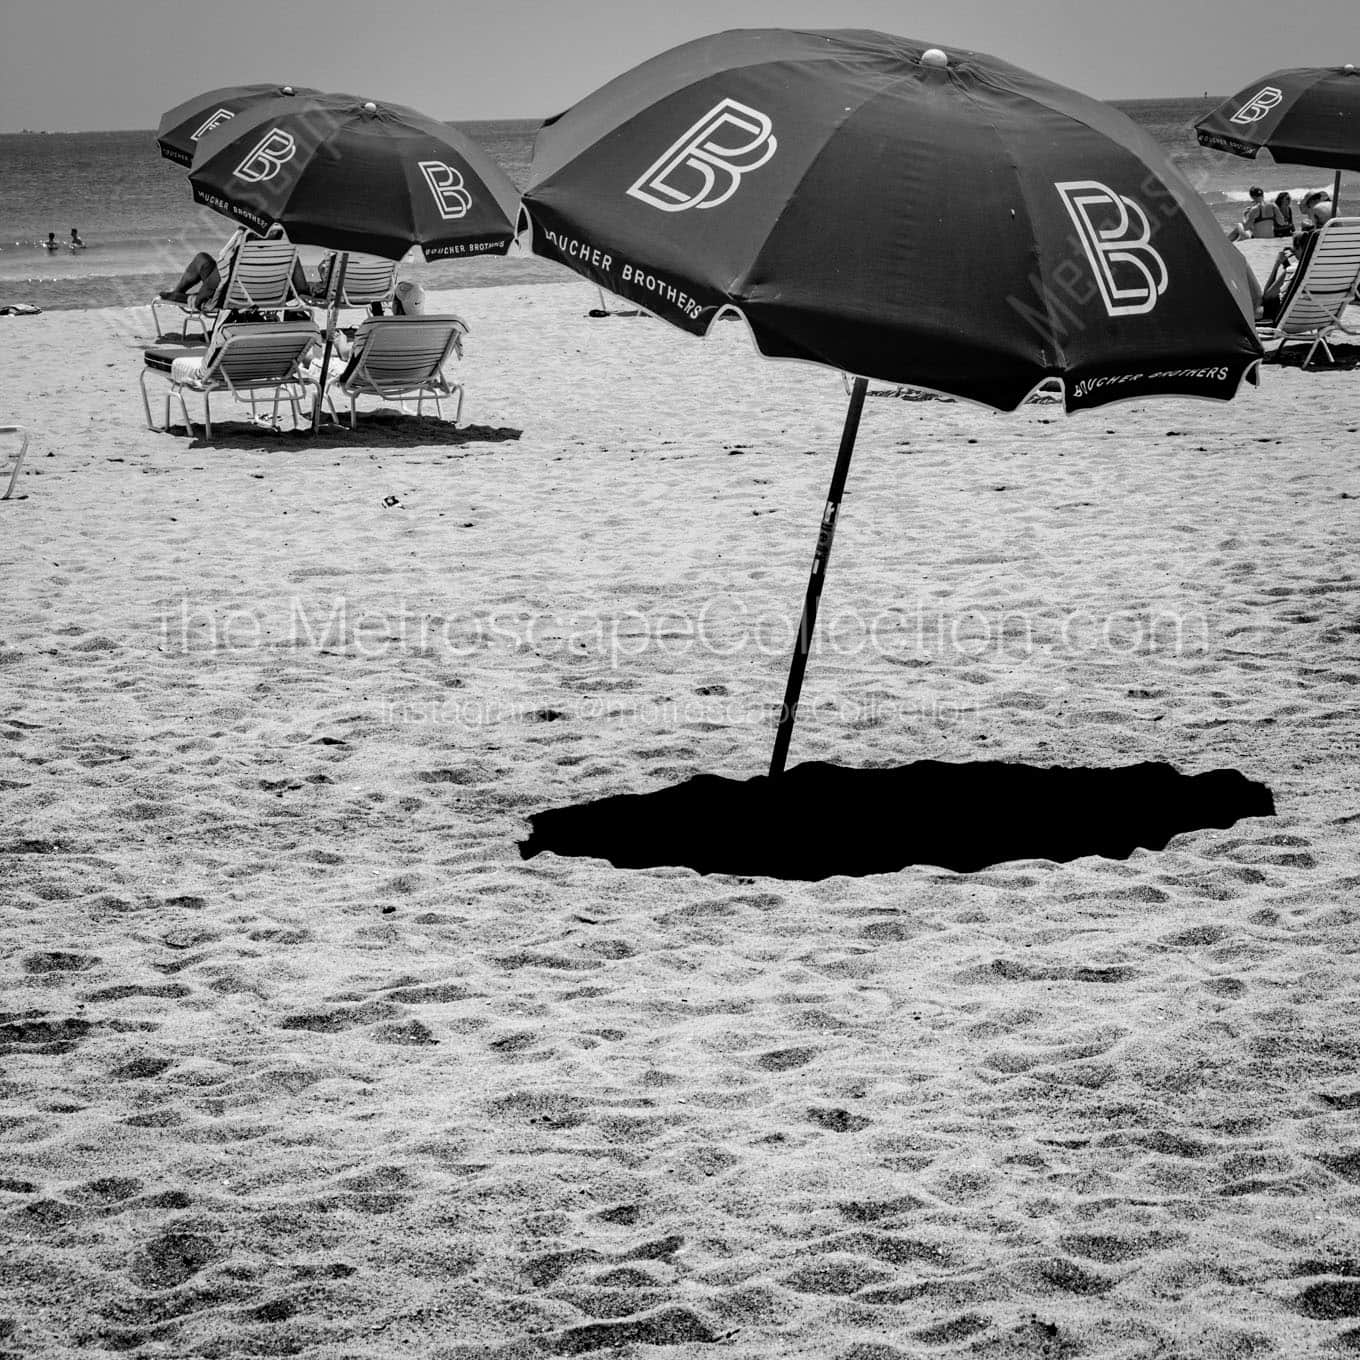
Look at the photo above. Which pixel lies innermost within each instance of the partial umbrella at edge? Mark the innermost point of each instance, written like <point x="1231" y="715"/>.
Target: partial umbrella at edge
<point x="1303" y="116"/>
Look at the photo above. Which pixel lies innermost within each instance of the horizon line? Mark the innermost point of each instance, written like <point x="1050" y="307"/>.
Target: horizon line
<point x="538" y="118"/>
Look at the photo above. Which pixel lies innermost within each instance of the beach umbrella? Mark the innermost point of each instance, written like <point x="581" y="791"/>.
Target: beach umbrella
<point x="1303" y="116"/>
<point x="186" y="124"/>
<point x="353" y="175"/>
<point x="866" y="202"/>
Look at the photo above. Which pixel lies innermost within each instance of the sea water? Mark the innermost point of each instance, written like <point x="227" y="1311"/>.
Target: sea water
<point x="135" y="212"/>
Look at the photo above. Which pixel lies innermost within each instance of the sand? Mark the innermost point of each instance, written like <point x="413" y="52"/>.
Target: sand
<point x="302" y="1058"/>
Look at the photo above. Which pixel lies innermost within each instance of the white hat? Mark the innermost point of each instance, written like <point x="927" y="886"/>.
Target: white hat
<point x="408" y="298"/>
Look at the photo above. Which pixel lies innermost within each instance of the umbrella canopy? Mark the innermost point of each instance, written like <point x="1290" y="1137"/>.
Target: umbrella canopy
<point x="947" y="221"/>
<point x="954" y="222"/>
<point x="186" y="124"/>
<point x="1304" y="116"/>
<point x="350" y="174"/>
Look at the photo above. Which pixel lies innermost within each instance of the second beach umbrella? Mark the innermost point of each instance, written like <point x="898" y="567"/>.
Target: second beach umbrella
<point x="353" y="175"/>
<point x="946" y="221"/>
<point x="350" y="174"/>
<point x="1302" y="116"/>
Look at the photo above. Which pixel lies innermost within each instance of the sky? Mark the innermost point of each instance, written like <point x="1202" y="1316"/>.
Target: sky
<point x="77" y="65"/>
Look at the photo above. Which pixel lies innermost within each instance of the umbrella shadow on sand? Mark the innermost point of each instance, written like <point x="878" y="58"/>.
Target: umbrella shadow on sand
<point x="1345" y="359"/>
<point x="818" y="820"/>
<point x="385" y="430"/>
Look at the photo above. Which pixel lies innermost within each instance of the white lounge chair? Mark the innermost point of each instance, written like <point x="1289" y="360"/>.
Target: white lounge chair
<point x="395" y="358"/>
<point x="244" y="359"/>
<point x="261" y="280"/>
<point x="19" y="459"/>
<point x="368" y="279"/>
<point x="1318" y="295"/>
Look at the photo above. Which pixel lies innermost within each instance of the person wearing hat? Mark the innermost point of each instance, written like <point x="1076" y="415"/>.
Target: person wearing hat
<point x="1317" y="209"/>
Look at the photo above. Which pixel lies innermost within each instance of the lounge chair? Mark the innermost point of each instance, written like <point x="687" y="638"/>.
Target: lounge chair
<point x="245" y="360"/>
<point x="261" y="280"/>
<point x="1318" y="294"/>
<point x="368" y="280"/>
<point x="399" y="357"/>
<point x="19" y="459"/>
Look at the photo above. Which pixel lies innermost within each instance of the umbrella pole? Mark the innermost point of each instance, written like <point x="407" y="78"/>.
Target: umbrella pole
<point x="1336" y="195"/>
<point x="820" y="558"/>
<point x="332" y="313"/>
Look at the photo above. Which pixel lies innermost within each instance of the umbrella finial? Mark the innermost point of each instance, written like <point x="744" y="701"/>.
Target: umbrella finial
<point x="932" y="56"/>
<point x="370" y="107"/>
<point x="288" y="89"/>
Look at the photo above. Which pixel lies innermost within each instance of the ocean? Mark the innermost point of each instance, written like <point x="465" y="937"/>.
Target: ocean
<point x="135" y="212"/>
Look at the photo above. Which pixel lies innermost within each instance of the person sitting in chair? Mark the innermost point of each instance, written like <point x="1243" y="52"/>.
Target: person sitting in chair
<point x="203" y="274"/>
<point x="1283" y="272"/>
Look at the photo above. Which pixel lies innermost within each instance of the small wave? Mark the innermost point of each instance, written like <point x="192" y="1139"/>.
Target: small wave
<point x="1244" y="195"/>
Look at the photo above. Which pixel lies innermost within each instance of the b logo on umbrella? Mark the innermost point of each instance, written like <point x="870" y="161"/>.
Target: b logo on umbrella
<point x="1258" y="105"/>
<point x="268" y="156"/>
<point x="699" y="152"/>
<point x="216" y="120"/>
<point x="1129" y="271"/>
<point x="446" y="185"/>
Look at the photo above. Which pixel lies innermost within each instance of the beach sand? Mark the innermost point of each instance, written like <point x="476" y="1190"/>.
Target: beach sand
<point x="302" y="1058"/>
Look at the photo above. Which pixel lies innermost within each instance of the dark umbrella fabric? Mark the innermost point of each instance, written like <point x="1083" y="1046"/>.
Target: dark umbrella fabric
<point x="354" y="175"/>
<point x="969" y="227"/>
<point x="1303" y="116"/>
<point x="185" y="125"/>
<point x="940" y="220"/>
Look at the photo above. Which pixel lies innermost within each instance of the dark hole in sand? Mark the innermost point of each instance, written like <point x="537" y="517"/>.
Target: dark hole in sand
<point x="819" y="819"/>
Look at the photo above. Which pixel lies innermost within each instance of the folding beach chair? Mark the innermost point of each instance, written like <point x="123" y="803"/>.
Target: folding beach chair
<point x="1319" y="293"/>
<point x="19" y="457"/>
<point x="245" y="360"/>
<point x="261" y="280"/>
<point x="398" y="357"/>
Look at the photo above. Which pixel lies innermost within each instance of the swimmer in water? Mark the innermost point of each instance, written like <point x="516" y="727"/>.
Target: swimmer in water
<point x="76" y="243"/>
<point x="51" y="243"/>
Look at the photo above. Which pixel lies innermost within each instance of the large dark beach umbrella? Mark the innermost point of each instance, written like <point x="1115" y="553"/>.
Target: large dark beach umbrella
<point x="869" y="203"/>
<point x="353" y="175"/>
<point x="184" y="126"/>
<point x="350" y="174"/>
<point x="1303" y="116"/>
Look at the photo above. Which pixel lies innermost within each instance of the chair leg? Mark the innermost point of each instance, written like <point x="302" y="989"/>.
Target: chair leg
<point x="207" y="415"/>
<point x="19" y="459"/>
<point x="146" y="400"/>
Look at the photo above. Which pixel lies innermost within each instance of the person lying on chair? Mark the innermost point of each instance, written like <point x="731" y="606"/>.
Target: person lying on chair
<point x="203" y="274"/>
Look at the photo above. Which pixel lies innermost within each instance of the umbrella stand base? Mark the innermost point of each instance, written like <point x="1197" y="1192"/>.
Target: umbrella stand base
<point x="789" y="710"/>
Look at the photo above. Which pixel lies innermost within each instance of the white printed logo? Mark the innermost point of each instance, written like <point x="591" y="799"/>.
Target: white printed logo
<point x="270" y="154"/>
<point x="216" y="120"/>
<point x="1129" y="272"/>
<point x="701" y="153"/>
<point x="1258" y="105"/>
<point x="446" y="185"/>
